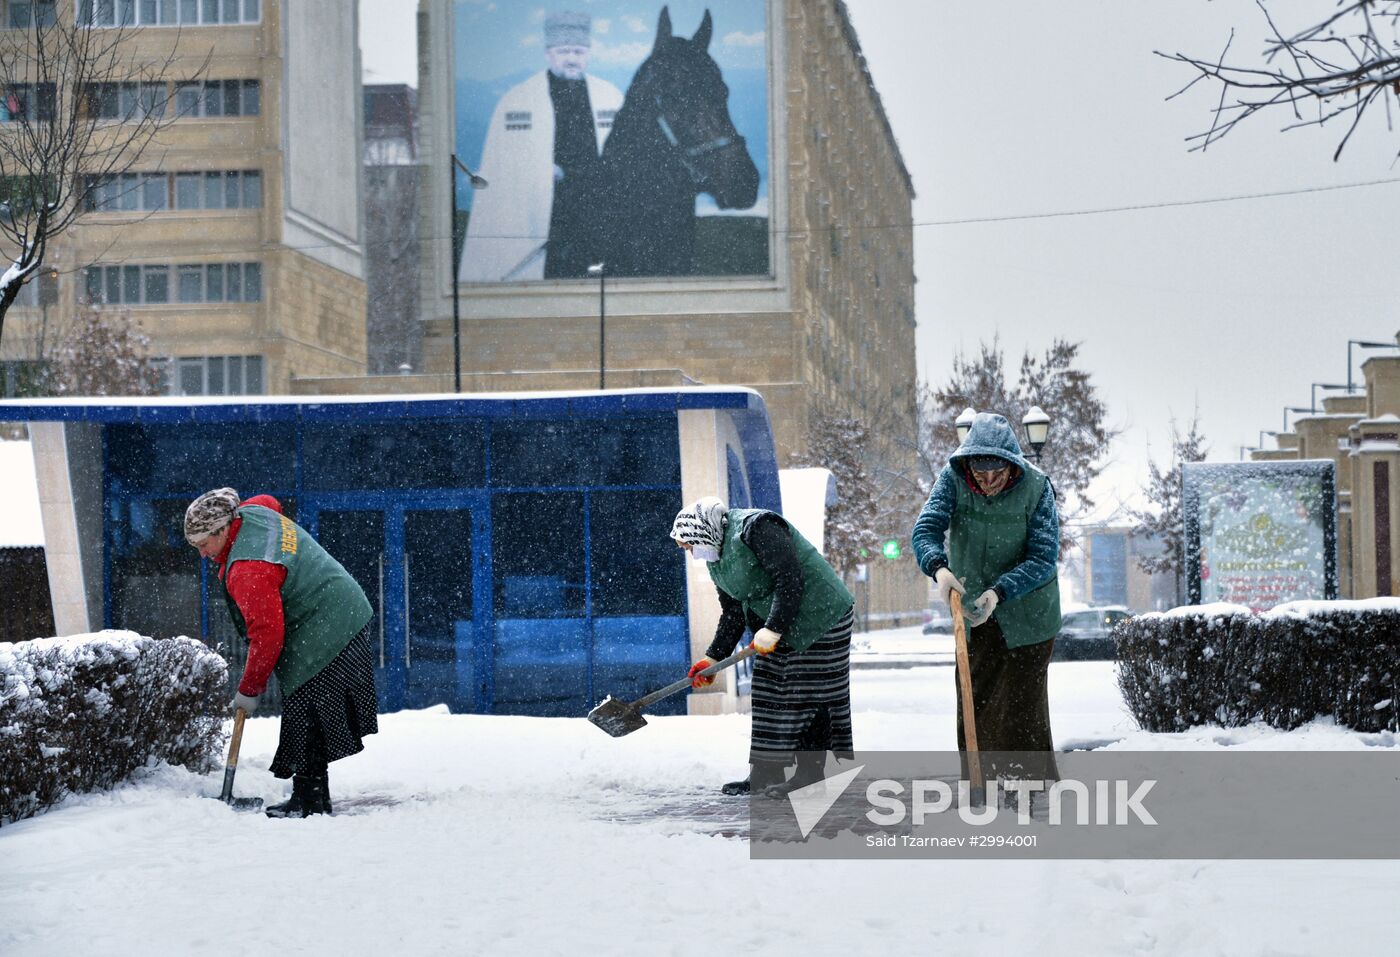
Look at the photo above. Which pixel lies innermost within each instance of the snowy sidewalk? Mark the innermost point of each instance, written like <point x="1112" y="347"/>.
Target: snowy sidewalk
<point x="538" y="836"/>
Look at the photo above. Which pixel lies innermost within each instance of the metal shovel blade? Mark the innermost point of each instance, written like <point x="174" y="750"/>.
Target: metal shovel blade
<point x="617" y="717"/>
<point x="245" y="804"/>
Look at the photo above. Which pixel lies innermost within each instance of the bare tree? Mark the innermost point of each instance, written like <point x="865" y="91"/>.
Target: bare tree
<point x="1335" y="69"/>
<point x="1079" y="437"/>
<point x="80" y="106"/>
<point x="102" y="353"/>
<point x="1163" y="520"/>
<point x="875" y="501"/>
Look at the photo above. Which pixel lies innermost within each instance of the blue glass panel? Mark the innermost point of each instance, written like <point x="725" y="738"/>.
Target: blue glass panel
<point x="252" y="458"/>
<point x="738" y="484"/>
<point x="419" y="454"/>
<point x="639" y="450"/>
<point x="537" y="555"/>
<point x="635" y="655"/>
<point x="636" y="567"/>
<point x="541" y="667"/>
<point x="546" y="452"/>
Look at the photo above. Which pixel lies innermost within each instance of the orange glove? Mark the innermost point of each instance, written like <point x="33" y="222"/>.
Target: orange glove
<point x="696" y="681"/>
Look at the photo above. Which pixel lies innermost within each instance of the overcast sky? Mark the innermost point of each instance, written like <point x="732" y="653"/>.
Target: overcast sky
<point x="1027" y="108"/>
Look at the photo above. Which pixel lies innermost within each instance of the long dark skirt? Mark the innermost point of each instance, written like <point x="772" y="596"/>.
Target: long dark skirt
<point x="802" y="699"/>
<point x="1011" y="703"/>
<point x="325" y="719"/>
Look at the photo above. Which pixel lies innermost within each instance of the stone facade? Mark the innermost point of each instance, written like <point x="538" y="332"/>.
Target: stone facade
<point x="1361" y="434"/>
<point x="304" y="237"/>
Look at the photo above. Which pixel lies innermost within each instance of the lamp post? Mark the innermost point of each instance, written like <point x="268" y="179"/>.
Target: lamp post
<point x="476" y="182"/>
<point x="1364" y="344"/>
<point x="1325" y="385"/>
<point x="963" y="423"/>
<point x="1037" y="426"/>
<point x="1292" y="408"/>
<point x="601" y="270"/>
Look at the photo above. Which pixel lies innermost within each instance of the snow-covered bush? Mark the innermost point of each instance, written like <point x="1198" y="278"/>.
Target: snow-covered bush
<point x="1222" y="664"/>
<point x="1187" y="667"/>
<point x="82" y="713"/>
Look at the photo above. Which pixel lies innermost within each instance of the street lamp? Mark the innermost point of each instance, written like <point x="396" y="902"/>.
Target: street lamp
<point x="476" y="182"/>
<point x="1292" y="408"/>
<point x="600" y="270"/>
<point x="963" y="423"/>
<point x="1037" y="426"/>
<point x="1325" y="385"/>
<point x="1364" y="344"/>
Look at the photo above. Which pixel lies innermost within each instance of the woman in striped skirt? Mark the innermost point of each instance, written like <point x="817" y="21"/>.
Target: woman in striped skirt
<point x="773" y="582"/>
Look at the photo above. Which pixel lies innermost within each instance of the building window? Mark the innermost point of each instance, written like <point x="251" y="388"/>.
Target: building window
<point x="218" y="98"/>
<point x="136" y="285"/>
<point x="217" y="375"/>
<point x="42" y="290"/>
<point x="35" y="101"/>
<point x="162" y="13"/>
<point x="222" y="189"/>
<point x="125" y="102"/>
<point x="23" y="15"/>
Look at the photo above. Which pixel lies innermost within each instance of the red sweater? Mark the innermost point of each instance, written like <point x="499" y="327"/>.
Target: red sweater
<point x="256" y="588"/>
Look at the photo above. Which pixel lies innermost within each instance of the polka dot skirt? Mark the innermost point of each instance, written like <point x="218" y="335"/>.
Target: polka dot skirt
<point x="325" y="719"/>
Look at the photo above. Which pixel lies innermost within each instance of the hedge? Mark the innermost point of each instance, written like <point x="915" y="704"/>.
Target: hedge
<point x="1223" y="664"/>
<point x="82" y="713"/>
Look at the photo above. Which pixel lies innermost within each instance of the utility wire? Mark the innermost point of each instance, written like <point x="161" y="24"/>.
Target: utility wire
<point x="801" y="233"/>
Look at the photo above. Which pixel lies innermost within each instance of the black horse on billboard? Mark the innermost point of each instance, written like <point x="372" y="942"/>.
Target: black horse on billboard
<point x="672" y="140"/>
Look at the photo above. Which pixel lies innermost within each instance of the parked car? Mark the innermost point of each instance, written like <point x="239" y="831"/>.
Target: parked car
<point x="1087" y="634"/>
<point x="938" y="622"/>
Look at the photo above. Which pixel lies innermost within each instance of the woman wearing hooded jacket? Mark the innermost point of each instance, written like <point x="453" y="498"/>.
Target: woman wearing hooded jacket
<point x="774" y="583"/>
<point x="997" y="514"/>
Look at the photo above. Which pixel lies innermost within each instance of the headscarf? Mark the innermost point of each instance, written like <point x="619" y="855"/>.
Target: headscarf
<point x="701" y="523"/>
<point x="209" y="513"/>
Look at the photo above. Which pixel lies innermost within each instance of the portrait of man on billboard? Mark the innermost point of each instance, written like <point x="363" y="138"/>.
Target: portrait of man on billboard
<point x="666" y="179"/>
<point x="541" y="153"/>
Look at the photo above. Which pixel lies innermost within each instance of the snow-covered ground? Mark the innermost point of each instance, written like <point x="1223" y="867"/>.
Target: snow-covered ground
<point x="501" y="835"/>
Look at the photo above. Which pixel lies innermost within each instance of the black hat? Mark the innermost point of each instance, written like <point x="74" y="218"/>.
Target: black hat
<point x="987" y="463"/>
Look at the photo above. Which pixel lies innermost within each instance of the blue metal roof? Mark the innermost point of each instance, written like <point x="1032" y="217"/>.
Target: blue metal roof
<point x="379" y="408"/>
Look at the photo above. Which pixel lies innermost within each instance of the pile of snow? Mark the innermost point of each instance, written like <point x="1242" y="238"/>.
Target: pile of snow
<point x="20" y="523"/>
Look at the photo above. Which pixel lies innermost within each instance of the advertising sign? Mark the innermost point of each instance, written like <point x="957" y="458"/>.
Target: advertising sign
<point x="1260" y="533"/>
<point x="631" y="133"/>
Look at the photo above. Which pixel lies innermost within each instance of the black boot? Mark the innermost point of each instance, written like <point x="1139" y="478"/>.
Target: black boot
<point x="310" y="795"/>
<point x="736" y="788"/>
<point x="761" y="775"/>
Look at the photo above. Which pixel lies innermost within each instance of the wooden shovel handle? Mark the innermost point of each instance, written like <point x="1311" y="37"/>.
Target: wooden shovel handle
<point x="239" y="716"/>
<point x="965" y="684"/>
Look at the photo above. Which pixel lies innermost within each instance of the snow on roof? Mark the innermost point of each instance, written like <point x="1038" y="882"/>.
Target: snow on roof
<point x="20" y="524"/>
<point x="806" y="495"/>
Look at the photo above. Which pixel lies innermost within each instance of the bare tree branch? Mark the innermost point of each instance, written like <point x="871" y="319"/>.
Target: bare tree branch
<point x="1337" y="68"/>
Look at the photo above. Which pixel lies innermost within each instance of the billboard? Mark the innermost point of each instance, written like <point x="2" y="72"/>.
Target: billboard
<point x="1260" y="533"/>
<point x="631" y="133"/>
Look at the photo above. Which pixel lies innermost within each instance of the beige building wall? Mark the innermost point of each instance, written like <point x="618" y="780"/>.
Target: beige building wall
<point x="304" y="143"/>
<point x="831" y="325"/>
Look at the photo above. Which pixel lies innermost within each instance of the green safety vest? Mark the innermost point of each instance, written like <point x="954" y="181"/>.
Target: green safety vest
<point x="986" y="539"/>
<point x="738" y="574"/>
<point x="322" y="606"/>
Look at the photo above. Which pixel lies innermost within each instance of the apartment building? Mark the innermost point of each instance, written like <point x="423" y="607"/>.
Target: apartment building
<point x="236" y="240"/>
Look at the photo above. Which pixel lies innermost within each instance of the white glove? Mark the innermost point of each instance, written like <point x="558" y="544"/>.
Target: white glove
<point x="241" y="700"/>
<point x="984" y="606"/>
<point x="765" y="640"/>
<point x="947" y="584"/>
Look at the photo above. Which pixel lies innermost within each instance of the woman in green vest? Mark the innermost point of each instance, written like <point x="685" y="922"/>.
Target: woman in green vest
<point x="774" y="583"/>
<point x="304" y="618"/>
<point x="997" y="514"/>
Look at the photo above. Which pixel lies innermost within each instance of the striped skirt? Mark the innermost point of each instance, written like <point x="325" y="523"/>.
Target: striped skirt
<point x="802" y="699"/>
<point x="325" y="719"/>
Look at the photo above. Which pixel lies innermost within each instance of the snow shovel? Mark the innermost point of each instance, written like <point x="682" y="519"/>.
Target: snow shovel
<point x="619" y="718"/>
<point x="977" y="792"/>
<point x="238" y="804"/>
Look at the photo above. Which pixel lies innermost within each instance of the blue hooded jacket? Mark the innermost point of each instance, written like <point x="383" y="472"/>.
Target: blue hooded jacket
<point x="990" y="434"/>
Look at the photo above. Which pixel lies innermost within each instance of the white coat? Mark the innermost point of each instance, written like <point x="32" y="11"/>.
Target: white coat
<point x="509" y="222"/>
